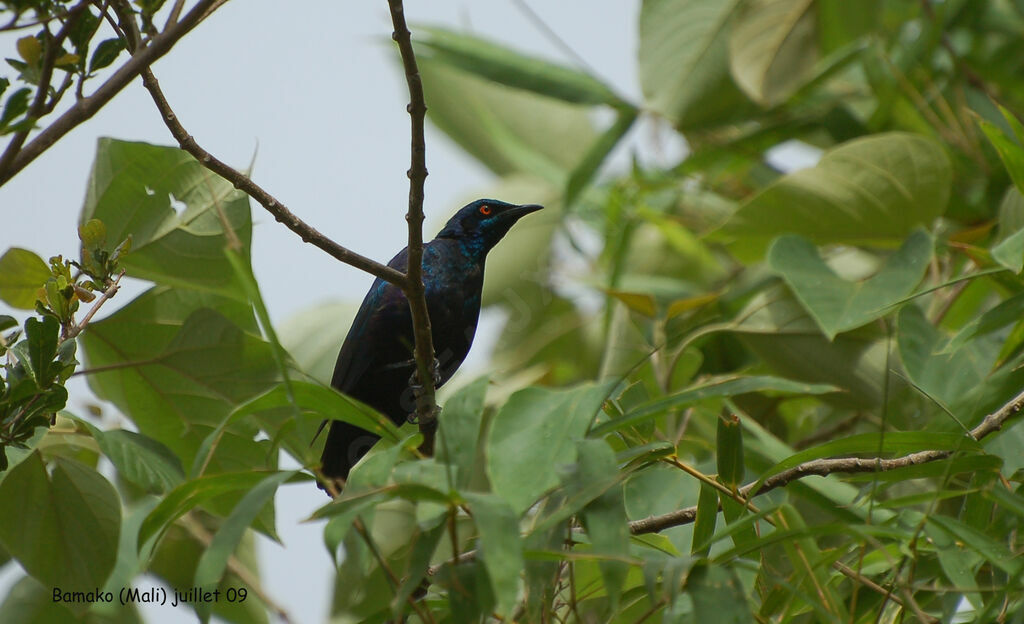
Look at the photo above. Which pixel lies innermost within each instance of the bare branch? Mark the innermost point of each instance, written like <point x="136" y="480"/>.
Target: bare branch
<point x="426" y="408"/>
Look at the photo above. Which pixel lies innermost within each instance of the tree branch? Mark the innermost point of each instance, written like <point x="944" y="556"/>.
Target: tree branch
<point x="823" y="467"/>
<point x="86" y="107"/>
<point x="426" y="408"/>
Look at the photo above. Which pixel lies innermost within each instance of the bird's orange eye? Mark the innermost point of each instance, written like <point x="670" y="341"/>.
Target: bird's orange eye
<point x="485" y="209"/>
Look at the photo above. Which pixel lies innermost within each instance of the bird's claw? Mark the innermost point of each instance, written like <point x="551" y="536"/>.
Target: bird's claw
<point x="414" y="418"/>
<point x="416" y="386"/>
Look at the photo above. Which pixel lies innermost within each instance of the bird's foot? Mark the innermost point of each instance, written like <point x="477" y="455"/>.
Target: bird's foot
<point x="414" y="379"/>
<point x="414" y="418"/>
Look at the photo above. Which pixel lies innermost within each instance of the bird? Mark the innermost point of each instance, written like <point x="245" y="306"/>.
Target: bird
<point x="376" y="365"/>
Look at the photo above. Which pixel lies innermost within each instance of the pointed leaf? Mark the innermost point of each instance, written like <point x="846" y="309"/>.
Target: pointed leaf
<point x="876" y="189"/>
<point x="509" y="67"/>
<point x="838" y="305"/>
<point x="684" y="62"/>
<point x="773" y="47"/>
<point x="534" y="433"/>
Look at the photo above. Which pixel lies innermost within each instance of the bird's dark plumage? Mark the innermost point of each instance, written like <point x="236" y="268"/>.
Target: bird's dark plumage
<point x="376" y="359"/>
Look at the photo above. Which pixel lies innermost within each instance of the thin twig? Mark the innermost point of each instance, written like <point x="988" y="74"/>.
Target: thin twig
<point x="107" y="294"/>
<point x="426" y="407"/>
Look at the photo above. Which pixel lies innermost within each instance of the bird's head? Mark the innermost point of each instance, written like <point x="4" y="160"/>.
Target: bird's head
<point x="481" y="224"/>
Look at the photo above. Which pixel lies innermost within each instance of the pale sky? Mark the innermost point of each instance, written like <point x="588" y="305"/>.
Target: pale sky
<point x="317" y="94"/>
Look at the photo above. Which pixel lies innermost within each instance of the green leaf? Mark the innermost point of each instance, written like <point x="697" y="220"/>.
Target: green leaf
<point x="106" y="53"/>
<point x="62" y="527"/>
<point x="17" y="104"/>
<point x="716" y="387"/>
<point x="717" y="595"/>
<point x="191" y="494"/>
<point x="214" y="560"/>
<point x="704" y="523"/>
<point x="534" y="433"/>
<point x="949" y="378"/>
<point x="460" y="430"/>
<point x="140" y="459"/>
<point x="484" y="58"/>
<point x="176" y="362"/>
<point x="508" y="130"/>
<point x="684" y="62"/>
<point x="838" y="305"/>
<point x="873" y="189"/>
<point x="1010" y="151"/>
<point x="773" y="47"/>
<point x="313" y="400"/>
<point x="500" y="546"/>
<point x="730" y="450"/>
<point x="41" y="340"/>
<point x="22" y="274"/>
<point x="1008" y="312"/>
<point x="130" y="190"/>
<point x="997" y="553"/>
<point x="604" y="518"/>
<point x="7" y="321"/>
<point x="780" y="332"/>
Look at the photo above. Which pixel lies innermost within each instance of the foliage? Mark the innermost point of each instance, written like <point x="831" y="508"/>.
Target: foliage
<point x="742" y="326"/>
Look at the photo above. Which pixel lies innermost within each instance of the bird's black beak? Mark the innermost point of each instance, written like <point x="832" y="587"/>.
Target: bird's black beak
<point x="521" y="211"/>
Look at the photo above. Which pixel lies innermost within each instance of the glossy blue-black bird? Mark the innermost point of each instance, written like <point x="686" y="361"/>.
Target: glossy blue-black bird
<point x="376" y="363"/>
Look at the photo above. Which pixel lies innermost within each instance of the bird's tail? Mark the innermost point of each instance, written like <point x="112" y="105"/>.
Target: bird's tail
<point x="346" y="444"/>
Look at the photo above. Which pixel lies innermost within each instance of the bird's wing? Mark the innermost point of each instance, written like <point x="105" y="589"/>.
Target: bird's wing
<point x="378" y="310"/>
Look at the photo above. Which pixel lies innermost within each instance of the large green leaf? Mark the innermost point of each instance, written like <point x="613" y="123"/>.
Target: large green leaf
<point x="22" y="274"/>
<point x="534" y="433"/>
<point x="500" y="546"/>
<point x="460" y="431"/>
<point x="949" y="378"/>
<point x="684" y="61"/>
<point x="140" y="459"/>
<point x="772" y="48"/>
<point x="781" y="332"/>
<point x="63" y="526"/>
<point x="131" y="190"/>
<point x="500" y="64"/>
<point x="838" y="305"/>
<point x="506" y="129"/>
<point x="717" y="595"/>
<point x="604" y="518"/>
<point x="875" y="189"/>
<point x="176" y="362"/>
